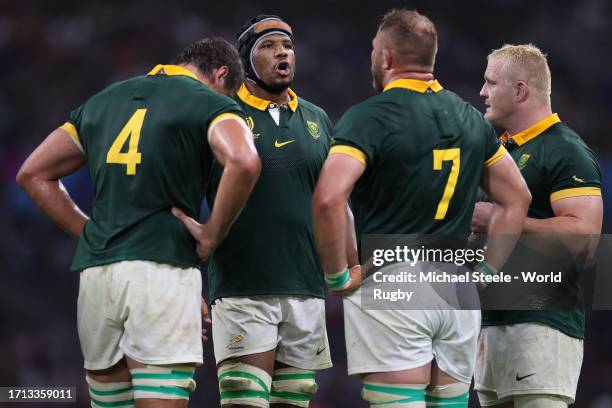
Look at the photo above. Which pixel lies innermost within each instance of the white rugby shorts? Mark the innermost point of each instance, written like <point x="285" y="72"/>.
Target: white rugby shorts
<point x="526" y="359"/>
<point x="145" y="310"/>
<point x="293" y="325"/>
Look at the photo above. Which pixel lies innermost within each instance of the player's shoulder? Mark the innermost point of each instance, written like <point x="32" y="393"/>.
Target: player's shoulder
<point x="120" y="87"/>
<point x="560" y="137"/>
<point x="372" y="106"/>
<point x="561" y="143"/>
<point x="462" y="106"/>
<point x="311" y="107"/>
<point x="563" y="134"/>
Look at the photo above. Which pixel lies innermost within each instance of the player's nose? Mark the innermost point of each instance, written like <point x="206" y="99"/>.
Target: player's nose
<point x="280" y="51"/>
<point x="483" y="92"/>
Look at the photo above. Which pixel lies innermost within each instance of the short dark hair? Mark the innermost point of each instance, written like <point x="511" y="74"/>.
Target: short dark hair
<point x="209" y="54"/>
<point x="413" y="36"/>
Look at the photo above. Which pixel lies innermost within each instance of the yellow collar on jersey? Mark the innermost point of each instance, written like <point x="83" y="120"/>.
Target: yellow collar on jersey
<point x="171" y="70"/>
<point x="247" y="97"/>
<point x="526" y="135"/>
<point x="414" y="85"/>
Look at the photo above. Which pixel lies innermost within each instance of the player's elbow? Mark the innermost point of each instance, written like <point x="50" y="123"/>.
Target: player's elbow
<point x="325" y="201"/>
<point x="517" y="199"/>
<point x="524" y="197"/>
<point x="249" y="166"/>
<point x="25" y="178"/>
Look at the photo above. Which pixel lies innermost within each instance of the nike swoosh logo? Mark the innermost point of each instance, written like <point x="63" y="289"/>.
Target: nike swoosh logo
<point x="281" y="144"/>
<point x="319" y="351"/>
<point x="523" y="377"/>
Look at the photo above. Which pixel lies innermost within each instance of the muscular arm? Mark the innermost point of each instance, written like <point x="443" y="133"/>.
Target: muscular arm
<point x="232" y="144"/>
<point x="573" y="216"/>
<point x="333" y="236"/>
<point x="352" y="255"/>
<point x="57" y="156"/>
<point x="504" y="183"/>
<point x="576" y="225"/>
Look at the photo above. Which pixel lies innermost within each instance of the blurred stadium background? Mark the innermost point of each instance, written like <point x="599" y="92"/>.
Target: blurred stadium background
<point x="55" y="54"/>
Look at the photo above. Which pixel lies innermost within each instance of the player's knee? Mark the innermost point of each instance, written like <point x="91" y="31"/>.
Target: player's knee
<point x="110" y="394"/>
<point x="244" y="384"/>
<point x="540" y="401"/>
<point x="293" y="386"/>
<point x="456" y="395"/>
<point x="163" y="382"/>
<point x="383" y="395"/>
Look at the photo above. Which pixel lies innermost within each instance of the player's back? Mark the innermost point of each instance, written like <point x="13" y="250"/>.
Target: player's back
<point x="425" y="149"/>
<point x="146" y="148"/>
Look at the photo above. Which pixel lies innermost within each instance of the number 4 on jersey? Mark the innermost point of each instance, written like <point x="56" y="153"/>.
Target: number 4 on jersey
<point x="130" y="131"/>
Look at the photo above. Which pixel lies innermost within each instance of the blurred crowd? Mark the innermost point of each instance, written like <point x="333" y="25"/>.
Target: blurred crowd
<point x="53" y="55"/>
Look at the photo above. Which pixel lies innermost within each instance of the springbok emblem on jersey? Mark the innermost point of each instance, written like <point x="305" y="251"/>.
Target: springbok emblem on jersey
<point x="523" y="161"/>
<point x="313" y="129"/>
<point x="236" y="339"/>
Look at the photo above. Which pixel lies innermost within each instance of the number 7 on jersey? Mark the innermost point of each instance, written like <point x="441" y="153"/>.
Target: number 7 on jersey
<point x="131" y="130"/>
<point x="440" y="156"/>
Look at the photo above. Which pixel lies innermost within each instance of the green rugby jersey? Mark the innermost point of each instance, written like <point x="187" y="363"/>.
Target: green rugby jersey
<point x="270" y="248"/>
<point x="146" y="148"/>
<point x="424" y="149"/>
<point x="556" y="164"/>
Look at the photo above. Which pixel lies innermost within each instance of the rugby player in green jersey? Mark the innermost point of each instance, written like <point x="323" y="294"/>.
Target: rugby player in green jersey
<point x="149" y="143"/>
<point x="411" y="158"/>
<point x="542" y="350"/>
<point x="266" y="284"/>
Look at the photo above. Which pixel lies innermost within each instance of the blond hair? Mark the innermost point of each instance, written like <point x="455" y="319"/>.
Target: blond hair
<point x="525" y="62"/>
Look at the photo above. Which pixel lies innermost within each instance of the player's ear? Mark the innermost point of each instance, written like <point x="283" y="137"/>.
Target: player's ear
<point x="220" y="73"/>
<point x="218" y="77"/>
<point x="387" y="58"/>
<point x="522" y="91"/>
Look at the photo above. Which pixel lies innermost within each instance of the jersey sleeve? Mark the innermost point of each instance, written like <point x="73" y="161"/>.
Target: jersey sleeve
<point x="220" y="108"/>
<point x="494" y="149"/>
<point x="573" y="170"/>
<point x="356" y="134"/>
<point x="73" y="126"/>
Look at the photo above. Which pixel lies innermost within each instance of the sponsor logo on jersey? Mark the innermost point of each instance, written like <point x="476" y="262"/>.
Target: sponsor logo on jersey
<point x="281" y="144"/>
<point x="523" y="161"/>
<point x="313" y="129"/>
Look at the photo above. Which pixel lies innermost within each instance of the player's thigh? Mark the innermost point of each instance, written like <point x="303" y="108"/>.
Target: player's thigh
<point x="484" y="383"/>
<point x="164" y="324"/>
<point x="303" y="334"/>
<point x="455" y="343"/>
<point x="101" y="311"/>
<point x="379" y="341"/>
<point x="243" y="326"/>
<point x="117" y="373"/>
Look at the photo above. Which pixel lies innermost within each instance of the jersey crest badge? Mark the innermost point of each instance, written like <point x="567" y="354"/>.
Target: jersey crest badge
<point x="251" y="124"/>
<point x="313" y="129"/>
<point x="523" y="161"/>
